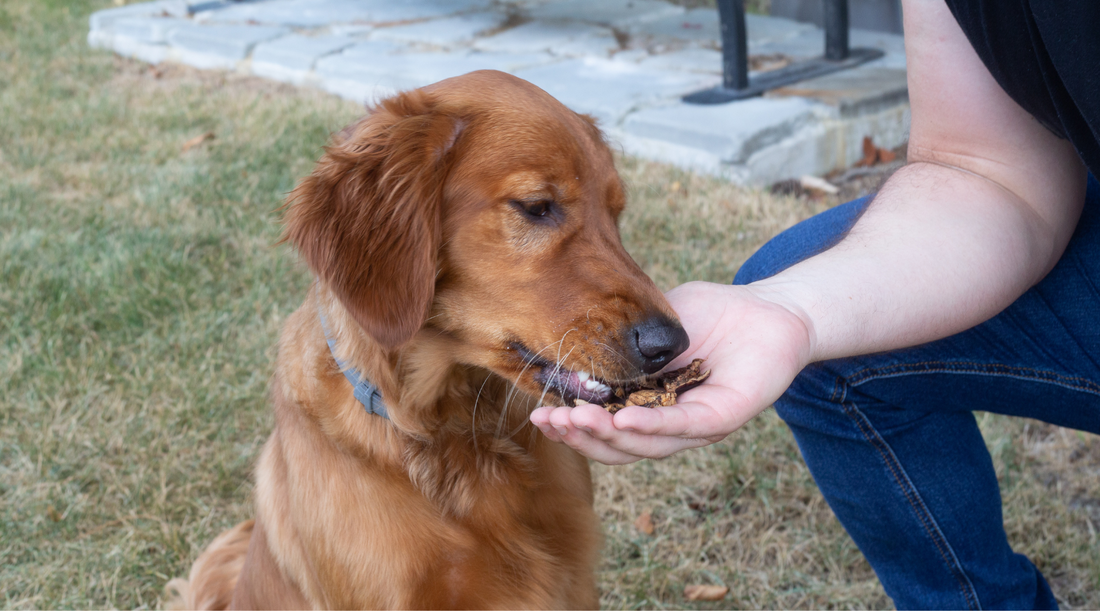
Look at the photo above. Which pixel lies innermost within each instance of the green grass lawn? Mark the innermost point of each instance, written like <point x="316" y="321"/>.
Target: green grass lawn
<point x="141" y="292"/>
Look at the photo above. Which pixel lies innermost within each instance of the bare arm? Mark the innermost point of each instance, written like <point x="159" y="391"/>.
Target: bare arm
<point x="982" y="212"/>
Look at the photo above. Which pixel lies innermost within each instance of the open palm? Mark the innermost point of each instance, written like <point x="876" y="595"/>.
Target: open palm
<point x="753" y="346"/>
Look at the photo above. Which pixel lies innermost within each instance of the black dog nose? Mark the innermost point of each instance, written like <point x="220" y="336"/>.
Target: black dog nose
<point x="657" y="341"/>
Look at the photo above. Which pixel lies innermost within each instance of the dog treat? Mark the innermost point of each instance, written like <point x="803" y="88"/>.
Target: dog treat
<point x="659" y="390"/>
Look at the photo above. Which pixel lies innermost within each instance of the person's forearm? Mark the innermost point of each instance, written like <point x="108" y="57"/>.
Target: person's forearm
<point x="938" y="251"/>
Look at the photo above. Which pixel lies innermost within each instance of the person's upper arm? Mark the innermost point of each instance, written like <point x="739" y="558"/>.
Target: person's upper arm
<point x="963" y="119"/>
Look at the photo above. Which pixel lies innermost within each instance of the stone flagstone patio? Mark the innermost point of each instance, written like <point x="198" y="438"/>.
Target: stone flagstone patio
<point x="626" y="62"/>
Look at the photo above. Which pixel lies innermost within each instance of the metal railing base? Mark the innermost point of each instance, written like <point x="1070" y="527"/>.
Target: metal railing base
<point x="773" y="79"/>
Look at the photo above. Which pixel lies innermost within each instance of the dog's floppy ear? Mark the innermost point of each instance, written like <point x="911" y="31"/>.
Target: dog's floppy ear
<point x="368" y="219"/>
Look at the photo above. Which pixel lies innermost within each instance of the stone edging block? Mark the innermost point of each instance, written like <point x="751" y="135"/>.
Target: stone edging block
<point x="219" y="46"/>
<point x="291" y="59"/>
<point x="626" y="62"/>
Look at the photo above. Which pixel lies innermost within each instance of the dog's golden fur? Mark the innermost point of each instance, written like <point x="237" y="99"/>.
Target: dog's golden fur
<point x="463" y="236"/>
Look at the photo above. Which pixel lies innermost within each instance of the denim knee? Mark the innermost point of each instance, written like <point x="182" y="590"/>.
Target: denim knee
<point x="806" y="239"/>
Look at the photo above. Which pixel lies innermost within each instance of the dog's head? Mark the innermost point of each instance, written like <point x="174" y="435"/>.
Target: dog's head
<point x="482" y="208"/>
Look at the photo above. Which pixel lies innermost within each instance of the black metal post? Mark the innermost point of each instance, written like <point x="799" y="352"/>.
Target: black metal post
<point x="836" y="29"/>
<point x="735" y="44"/>
<point x="736" y="84"/>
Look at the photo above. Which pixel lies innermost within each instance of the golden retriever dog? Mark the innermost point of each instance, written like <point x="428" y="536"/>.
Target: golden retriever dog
<point x="468" y="266"/>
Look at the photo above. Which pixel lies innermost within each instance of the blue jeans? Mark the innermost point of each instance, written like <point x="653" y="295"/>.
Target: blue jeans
<point x="892" y="442"/>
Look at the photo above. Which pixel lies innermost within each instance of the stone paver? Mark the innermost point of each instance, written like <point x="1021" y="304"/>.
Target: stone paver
<point x="445" y="32"/>
<point x="609" y="90"/>
<point x="392" y="12"/>
<point x="290" y="13"/>
<point x="626" y="62"/>
<point x="102" y="19"/>
<point x="373" y="69"/>
<point x="219" y="46"/>
<point x="758" y="123"/>
<point x="774" y="30"/>
<point x="291" y="59"/>
<point x="853" y="92"/>
<point x="810" y="43"/>
<point x="614" y="13"/>
<point x="707" y="61"/>
<point x="816" y="126"/>
<point x="567" y="39"/>
<point x="320" y="13"/>
<point x="149" y="30"/>
<point x="701" y="26"/>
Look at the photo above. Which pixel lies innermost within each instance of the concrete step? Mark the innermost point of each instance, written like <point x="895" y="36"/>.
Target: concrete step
<point x="626" y="62"/>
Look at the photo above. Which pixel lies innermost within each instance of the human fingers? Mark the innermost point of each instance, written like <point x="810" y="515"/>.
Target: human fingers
<point x="581" y="440"/>
<point x="598" y="424"/>
<point x="540" y="417"/>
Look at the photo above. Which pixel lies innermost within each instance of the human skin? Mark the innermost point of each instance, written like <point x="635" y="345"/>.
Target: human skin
<point x="981" y="212"/>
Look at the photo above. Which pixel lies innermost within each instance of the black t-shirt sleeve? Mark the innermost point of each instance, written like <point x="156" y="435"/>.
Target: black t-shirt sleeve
<point x="1046" y="55"/>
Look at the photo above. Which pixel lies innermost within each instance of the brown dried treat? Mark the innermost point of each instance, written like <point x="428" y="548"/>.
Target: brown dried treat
<point x="685" y="378"/>
<point x="651" y="398"/>
<point x="660" y="390"/>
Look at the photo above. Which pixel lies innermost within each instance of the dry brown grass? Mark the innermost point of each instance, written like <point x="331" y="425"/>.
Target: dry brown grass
<point x="140" y="298"/>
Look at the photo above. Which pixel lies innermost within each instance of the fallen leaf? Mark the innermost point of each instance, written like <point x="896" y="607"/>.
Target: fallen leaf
<point x="767" y="62"/>
<point x="869" y="155"/>
<point x="644" y="523"/>
<point x="813" y="183"/>
<point x="705" y="592"/>
<point x="197" y="140"/>
<point x="873" y="155"/>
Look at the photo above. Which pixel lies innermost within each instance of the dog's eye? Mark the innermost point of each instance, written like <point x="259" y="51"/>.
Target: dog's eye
<point x="537" y="210"/>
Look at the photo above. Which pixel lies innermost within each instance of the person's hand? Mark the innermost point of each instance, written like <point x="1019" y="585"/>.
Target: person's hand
<point x="753" y="346"/>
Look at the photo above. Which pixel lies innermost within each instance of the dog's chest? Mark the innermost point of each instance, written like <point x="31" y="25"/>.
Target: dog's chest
<point x="524" y="526"/>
